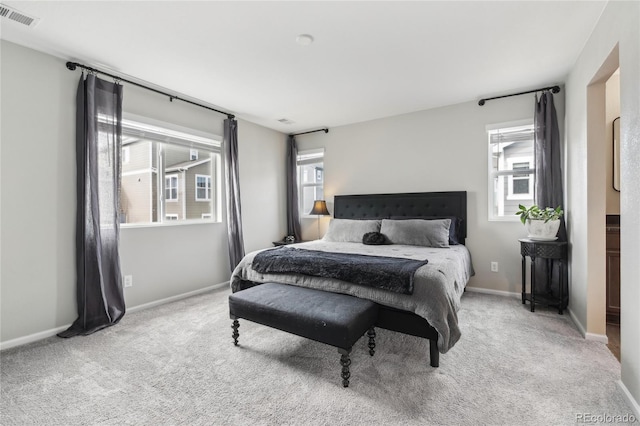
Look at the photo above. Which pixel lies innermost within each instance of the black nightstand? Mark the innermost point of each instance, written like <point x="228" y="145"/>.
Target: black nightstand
<point x="549" y="250"/>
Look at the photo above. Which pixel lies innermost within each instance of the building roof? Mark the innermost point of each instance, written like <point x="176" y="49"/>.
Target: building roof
<point x="186" y="165"/>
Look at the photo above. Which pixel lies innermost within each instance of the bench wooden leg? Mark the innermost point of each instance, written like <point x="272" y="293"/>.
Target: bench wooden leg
<point x="433" y="352"/>
<point x="345" y="361"/>
<point x="235" y="334"/>
<point x="372" y="341"/>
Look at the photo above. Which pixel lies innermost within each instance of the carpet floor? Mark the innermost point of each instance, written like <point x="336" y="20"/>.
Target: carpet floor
<point x="176" y="364"/>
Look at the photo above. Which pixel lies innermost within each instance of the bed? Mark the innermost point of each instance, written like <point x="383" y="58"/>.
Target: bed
<point x="430" y="311"/>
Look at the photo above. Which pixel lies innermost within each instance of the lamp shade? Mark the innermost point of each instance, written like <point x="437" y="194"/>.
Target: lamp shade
<point x="320" y="208"/>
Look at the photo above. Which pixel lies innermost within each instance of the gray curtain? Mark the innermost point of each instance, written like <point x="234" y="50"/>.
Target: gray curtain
<point x="234" y="215"/>
<point x="98" y="145"/>
<point x="293" y="212"/>
<point x="549" y="192"/>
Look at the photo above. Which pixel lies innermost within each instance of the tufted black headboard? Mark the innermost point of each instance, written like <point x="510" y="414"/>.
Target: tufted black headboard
<point x="415" y="204"/>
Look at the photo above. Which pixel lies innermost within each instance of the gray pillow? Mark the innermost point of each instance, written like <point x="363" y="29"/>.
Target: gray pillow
<point x="417" y="232"/>
<point x="350" y="230"/>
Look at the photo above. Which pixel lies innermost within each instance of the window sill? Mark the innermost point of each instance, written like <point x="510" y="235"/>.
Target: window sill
<point x="170" y="223"/>
<point x="504" y="219"/>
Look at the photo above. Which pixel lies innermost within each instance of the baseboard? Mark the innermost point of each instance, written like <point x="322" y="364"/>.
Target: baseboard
<point x="175" y="298"/>
<point x="52" y="332"/>
<point x="494" y="292"/>
<point x="32" y="337"/>
<point x="633" y="404"/>
<point x="602" y="338"/>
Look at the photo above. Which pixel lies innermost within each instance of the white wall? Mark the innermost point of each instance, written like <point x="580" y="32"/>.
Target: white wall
<point x="38" y="200"/>
<point x="443" y="149"/>
<point x="618" y="28"/>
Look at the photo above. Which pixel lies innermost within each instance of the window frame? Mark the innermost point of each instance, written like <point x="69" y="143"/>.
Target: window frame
<point x="493" y="174"/>
<point x="172" y="176"/>
<point x="207" y="187"/>
<point x="309" y="157"/>
<point x="161" y="134"/>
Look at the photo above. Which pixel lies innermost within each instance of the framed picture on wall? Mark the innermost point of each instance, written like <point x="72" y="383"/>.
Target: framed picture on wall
<point x="616" y="154"/>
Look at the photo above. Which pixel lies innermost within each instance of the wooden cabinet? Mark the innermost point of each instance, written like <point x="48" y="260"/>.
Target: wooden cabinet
<point x="613" y="272"/>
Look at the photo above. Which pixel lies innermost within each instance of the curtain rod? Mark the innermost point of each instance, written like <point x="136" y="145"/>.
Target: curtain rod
<point x="71" y="66"/>
<point x="554" y="89"/>
<point x="310" y="131"/>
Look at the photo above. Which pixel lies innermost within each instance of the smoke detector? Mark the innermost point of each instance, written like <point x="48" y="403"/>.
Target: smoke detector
<point x="17" y="16"/>
<point x="286" y="121"/>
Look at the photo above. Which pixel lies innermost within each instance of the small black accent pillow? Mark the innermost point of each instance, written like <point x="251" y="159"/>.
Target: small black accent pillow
<point x="374" y="239"/>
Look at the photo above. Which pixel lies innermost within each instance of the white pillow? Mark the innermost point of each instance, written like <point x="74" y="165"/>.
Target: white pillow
<point x="417" y="232"/>
<point x="350" y="230"/>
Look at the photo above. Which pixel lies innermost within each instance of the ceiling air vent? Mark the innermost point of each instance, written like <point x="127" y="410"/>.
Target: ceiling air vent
<point x="286" y="121"/>
<point x="17" y="16"/>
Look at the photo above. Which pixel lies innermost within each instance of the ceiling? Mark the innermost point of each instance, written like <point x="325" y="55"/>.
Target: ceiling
<point x="369" y="59"/>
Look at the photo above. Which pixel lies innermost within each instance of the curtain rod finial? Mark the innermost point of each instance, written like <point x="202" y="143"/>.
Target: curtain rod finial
<point x="481" y="102"/>
<point x="71" y="66"/>
<point x="555" y="89"/>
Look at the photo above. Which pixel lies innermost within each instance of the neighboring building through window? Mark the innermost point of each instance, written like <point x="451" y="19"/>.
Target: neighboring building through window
<point x="310" y="179"/>
<point x="511" y="170"/>
<point x="126" y="153"/>
<point x="166" y="178"/>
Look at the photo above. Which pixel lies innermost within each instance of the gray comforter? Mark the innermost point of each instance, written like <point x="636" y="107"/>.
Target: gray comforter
<point x="438" y="285"/>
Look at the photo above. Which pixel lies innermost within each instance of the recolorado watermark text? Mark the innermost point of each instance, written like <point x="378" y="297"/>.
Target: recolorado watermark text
<point x="591" y="418"/>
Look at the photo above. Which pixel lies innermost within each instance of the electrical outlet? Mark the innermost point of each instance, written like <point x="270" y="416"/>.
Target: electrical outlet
<point x="494" y="266"/>
<point x="128" y="280"/>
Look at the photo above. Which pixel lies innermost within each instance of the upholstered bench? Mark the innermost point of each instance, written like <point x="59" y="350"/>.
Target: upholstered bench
<point x="334" y="319"/>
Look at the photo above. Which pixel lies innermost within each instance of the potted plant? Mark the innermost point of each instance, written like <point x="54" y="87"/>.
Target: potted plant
<point x="542" y="223"/>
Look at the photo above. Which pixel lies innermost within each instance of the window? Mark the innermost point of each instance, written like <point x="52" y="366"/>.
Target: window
<point x="166" y="178"/>
<point x="310" y="179"/>
<point x="171" y="188"/>
<point x="511" y="170"/>
<point x="203" y="188"/>
<point x="126" y="154"/>
<point x="520" y="184"/>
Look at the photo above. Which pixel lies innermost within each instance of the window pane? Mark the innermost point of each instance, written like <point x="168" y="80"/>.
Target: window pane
<point x="520" y="186"/>
<point x="308" y="197"/>
<point x="310" y="179"/>
<point x="159" y="182"/>
<point x="312" y="173"/>
<point x="511" y="170"/>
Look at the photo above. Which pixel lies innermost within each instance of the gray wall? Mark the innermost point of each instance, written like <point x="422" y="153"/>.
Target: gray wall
<point x="38" y="207"/>
<point x="444" y="149"/>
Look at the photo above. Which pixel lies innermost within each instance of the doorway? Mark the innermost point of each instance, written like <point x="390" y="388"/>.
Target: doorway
<point x="603" y="203"/>
<point x="612" y="142"/>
